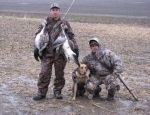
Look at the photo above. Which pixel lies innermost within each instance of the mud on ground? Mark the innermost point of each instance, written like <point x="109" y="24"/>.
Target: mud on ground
<point x="19" y="71"/>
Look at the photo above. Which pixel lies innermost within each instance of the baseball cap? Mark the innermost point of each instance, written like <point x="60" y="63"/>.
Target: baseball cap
<point x="54" y="5"/>
<point x="93" y="42"/>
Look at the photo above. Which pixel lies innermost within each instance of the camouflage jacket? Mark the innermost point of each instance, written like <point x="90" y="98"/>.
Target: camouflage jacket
<point x="54" y="31"/>
<point x="103" y="62"/>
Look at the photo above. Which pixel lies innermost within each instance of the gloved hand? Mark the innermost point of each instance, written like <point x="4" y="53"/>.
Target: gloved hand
<point x="64" y="26"/>
<point x="76" y="51"/>
<point x="115" y="75"/>
<point x="36" y="55"/>
<point x="44" y="23"/>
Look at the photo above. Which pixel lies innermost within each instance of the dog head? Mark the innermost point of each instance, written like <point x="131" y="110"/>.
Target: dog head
<point x="82" y="70"/>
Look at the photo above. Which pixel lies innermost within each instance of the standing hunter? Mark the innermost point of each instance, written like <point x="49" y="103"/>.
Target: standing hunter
<point x="48" y="56"/>
<point x="104" y="66"/>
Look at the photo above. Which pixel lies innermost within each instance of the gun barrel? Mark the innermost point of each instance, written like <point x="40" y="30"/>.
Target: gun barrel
<point x="128" y="88"/>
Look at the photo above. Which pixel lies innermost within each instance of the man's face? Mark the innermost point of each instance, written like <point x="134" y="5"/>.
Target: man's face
<point x="55" y="13"/>
<point x="94" y="47"/>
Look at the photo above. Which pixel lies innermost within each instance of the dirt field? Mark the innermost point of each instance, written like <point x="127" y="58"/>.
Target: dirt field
<point x="19" y="70"/>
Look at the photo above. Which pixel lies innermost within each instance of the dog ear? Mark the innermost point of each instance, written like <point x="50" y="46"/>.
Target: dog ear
<point x="78" y="69"/>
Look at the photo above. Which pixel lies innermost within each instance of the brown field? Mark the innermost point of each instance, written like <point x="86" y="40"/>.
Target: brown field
<point x="19" y="70"/>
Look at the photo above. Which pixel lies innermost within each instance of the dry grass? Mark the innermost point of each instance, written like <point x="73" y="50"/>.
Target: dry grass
<point x="19" y="70"/>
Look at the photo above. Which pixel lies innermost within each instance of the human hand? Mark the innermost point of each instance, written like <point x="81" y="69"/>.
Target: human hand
<point x="115" y="75"/>
<point x="64" y="26"/>
<point x="44" y="23"/>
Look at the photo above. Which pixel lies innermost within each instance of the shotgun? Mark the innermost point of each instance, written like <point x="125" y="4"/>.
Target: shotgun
<point x="127" y="88"/>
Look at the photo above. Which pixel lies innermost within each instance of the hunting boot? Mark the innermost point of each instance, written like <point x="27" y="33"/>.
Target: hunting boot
<point x="98" y="90"/>
<point x="58" y="94"/>
<point x="39" y="97"/>
<point x="90" y="96"/>
<point x="110" y="97"/>
<point x="111" y="94"/>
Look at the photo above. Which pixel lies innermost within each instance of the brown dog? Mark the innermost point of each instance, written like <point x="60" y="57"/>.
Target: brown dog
<point x="79" y="77"/>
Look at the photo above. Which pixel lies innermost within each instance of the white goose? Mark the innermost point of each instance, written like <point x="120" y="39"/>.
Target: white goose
<point x="62" y="40"/>
<point x="41" y="41"/>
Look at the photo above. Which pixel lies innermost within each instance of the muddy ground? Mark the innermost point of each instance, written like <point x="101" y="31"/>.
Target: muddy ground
<point x="19" y="71"/>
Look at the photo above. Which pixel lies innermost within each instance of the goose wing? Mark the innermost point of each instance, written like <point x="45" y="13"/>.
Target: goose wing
<point x="60" y="40"/>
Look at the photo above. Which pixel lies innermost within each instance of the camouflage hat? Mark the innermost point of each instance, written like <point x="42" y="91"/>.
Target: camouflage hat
<point x="94" y="41"/>
<point x="54" y="5"/>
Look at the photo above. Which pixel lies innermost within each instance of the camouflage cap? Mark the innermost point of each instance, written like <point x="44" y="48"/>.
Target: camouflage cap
<point x="54" y="5"/>
<point x="94" y="41"/>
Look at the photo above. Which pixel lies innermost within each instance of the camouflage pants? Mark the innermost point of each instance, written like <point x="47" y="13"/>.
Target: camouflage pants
<point x="109" y="81"/>
<point x="46" y="72"/>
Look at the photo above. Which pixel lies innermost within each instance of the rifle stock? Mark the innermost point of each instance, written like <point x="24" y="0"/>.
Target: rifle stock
<point x="127" y="88"/>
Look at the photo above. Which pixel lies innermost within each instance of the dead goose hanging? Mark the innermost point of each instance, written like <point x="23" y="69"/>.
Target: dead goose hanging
<point x="62" y="42"/>
<point x="41" y="41"/>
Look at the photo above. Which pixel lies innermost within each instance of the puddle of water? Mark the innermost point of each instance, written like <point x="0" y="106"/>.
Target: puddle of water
<point x="12" y="100"/>
<point x="3" y="86"/>
<point x="14" y="103"/>
<point x="17" y="106"/>
<point x="127" y="103"/>
<point x="67" y="109"/>
<point x="27" y="79"/>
